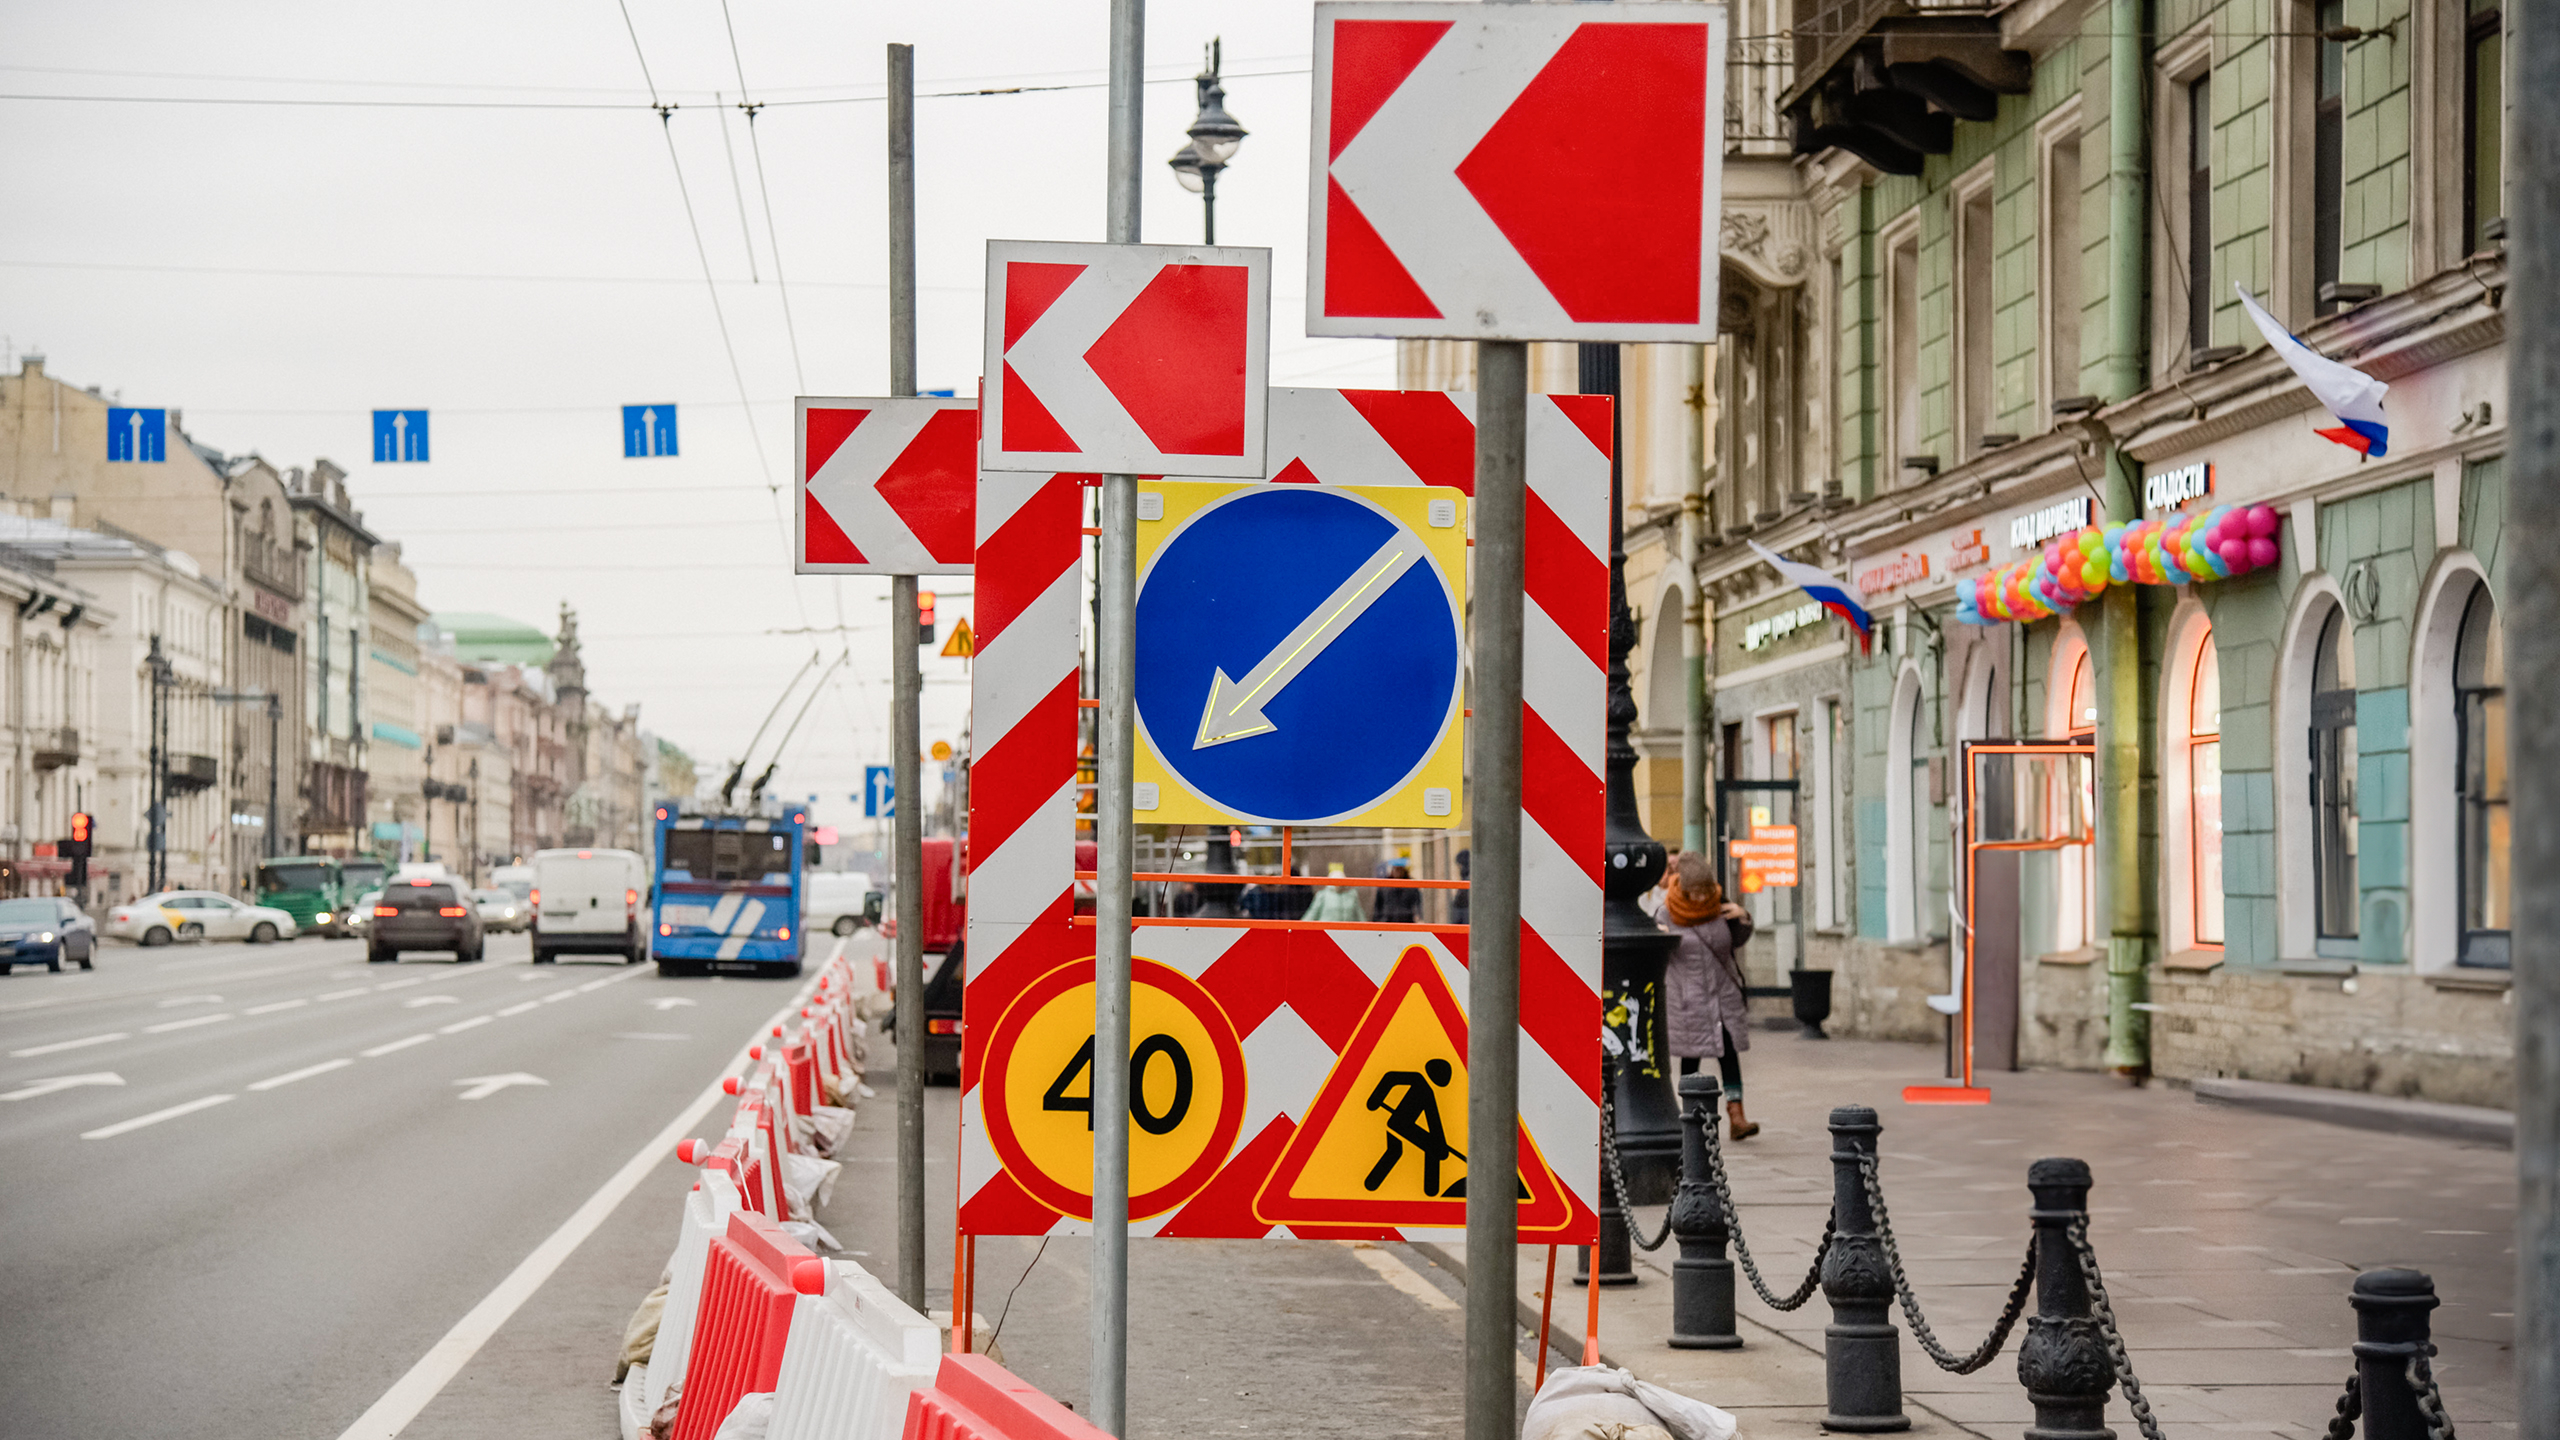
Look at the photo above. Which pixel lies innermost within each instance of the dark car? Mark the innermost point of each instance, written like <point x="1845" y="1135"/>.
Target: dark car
<point x="423" y="915"/>
<point x="45" y="931"/>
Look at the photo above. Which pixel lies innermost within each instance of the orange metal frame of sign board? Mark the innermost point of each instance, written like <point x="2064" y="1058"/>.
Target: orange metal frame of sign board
<point x="1969" y="1093"/>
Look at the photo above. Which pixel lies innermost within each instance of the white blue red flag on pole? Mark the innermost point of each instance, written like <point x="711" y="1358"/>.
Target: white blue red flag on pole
<point x="1824" y="587"/>
<point x="2352" y="396"/>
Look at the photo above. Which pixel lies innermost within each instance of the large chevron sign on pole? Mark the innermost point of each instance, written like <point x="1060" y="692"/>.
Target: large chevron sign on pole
<point x="1130" y="359"/>
<point x="1516" y="172"/>
<point x="887" y="486"/>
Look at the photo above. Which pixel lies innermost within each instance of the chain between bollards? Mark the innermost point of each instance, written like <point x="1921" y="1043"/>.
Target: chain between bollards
<point x="1944" y="1358"/>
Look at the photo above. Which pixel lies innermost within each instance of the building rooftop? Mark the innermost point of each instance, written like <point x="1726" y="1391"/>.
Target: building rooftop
<point x="492" y="639"/>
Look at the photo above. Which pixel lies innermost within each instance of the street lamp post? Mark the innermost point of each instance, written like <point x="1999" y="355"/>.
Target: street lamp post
<point x="156" y="848"/>
<point x="1214" y="138"/>
<point x="275" y="722"/>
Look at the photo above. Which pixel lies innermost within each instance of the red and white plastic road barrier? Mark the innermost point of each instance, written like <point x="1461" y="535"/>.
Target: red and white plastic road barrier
<point x="707" y="1209"/>
<point x="974" y="1398"/>
<point x="855" y="1354"/>
<point x="751" y="1280"/>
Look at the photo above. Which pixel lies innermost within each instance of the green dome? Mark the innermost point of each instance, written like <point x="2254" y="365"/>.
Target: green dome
<point x="495" y="639"/>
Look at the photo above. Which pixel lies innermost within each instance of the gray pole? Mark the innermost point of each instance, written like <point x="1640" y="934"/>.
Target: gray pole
<point x="1693" y="618"/>
<point x="2532" y="596"/>
<point x="1493" y="896"/>
<point x="907" y="685"/>
<point x="1115" y="829"/>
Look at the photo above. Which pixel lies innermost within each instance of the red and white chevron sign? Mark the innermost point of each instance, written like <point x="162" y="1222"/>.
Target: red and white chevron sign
<point x="1132" y="359"/>
<point x="1516" y="172"/>
<point x="887" y="487"/>
<point x="1231" y="1141"/>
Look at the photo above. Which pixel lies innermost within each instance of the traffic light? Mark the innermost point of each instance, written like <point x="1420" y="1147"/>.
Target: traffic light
<point x="924" y="617"/>
<point x="77" y="846"/>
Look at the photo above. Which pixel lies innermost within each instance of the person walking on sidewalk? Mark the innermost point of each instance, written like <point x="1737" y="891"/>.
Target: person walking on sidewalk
<point x="1709" y="1011"/>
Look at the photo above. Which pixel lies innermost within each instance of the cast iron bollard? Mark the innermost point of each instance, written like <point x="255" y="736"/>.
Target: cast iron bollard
<point x="1861" y="1351"/>
<point x="1617" y="1244"/>
<point x="2391" y="1325"/>
<point x="2063" y="1361"/>
<point x="1702" y="1278"/>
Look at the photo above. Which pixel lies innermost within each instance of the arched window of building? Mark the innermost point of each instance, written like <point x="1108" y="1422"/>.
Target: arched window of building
<point x="1906" y="803"/>
<point x="1916" y="849"/>
<point x="2480" y="703"/>
<point x="2071" y="713"/>
<point x="2191" y="793"/>
<point x="2333" y="779"/>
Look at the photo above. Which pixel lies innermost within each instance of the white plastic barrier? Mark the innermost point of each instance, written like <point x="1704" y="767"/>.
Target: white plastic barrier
<point x="854" y="1355"/>
<point x="707" y="1209"/>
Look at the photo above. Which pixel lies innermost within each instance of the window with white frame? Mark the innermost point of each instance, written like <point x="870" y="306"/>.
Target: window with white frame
<point x="2061" y="281"/>
<point x="1906" y="807"/>
<point x="2332" y="742"/>
<point x="1902" y="352"/>
<point x="2191" y="796"/>
<point x="2071" y="713"/>
<point x="1977" y="407"/>
<point x="2480" y="767"/>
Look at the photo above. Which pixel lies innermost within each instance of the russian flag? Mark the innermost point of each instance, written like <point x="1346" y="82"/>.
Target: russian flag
<point x="1824" y="587"/>
<point x="2354" y="397"/>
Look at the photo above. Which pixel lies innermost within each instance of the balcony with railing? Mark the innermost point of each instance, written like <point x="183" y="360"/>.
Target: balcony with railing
<point x="1886" y="80"/>
<point x="189" y="774"/>
<point x="54" y="746"/>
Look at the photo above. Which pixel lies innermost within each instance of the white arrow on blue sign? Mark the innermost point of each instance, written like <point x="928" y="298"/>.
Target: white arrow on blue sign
<point x="399" y="437"/>
<point x="879" y="791"/>
<point x="140" y="436"/>
<point x="647" y="431"/>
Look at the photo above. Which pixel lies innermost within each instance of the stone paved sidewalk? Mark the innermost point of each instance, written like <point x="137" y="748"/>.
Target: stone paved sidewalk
<point x="2229" y="1239"/>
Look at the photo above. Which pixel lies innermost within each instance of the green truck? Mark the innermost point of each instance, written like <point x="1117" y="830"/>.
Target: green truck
<point x="311" y="888"/>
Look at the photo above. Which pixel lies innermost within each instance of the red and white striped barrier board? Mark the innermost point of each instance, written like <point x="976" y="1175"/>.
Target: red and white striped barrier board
<point x="856" y="1353"/>
<point x="1260" y="1052"/>
<point x="974" y="1398"/>
<point x="750" y="1282"/>
<point x="1145" y="359"/>
<point x="1477" y="172"/>
<point x="886" y="486"/>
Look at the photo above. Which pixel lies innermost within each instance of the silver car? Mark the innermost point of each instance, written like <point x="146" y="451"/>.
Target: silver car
<point x="501" y="910"/>
<point x="198" y="915"/>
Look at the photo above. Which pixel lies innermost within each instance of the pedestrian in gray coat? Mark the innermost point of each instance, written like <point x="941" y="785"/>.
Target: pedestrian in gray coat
<point x="1703" y="995"/>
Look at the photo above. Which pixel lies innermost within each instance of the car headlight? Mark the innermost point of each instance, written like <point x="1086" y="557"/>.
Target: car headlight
<point x="322" y="917"/>
<point x="45" y="938"/>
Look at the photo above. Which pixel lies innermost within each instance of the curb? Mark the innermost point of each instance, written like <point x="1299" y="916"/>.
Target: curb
<point x="2477" y="1124"/>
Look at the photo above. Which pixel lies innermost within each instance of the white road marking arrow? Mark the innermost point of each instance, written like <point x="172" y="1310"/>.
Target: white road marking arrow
<point x="64" y="1082"/>
<point x="177" y="1000"/>
<point x="1234" y="711"/>
<point x="484" y="1086"/>
<point x="668" y="1002"/>
<point x="430" y="1000"/>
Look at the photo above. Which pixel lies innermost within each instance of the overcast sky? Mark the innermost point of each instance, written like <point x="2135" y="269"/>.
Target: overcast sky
<point x="277" y="272"/>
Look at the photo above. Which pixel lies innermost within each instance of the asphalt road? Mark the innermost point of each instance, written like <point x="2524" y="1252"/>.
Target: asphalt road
<point x="305" y="1169"/>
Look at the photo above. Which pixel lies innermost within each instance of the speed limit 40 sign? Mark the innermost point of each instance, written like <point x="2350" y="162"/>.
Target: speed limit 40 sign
<point x="1186" y="1088"/>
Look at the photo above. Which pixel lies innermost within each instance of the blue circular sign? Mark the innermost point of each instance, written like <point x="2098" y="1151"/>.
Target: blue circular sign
<point x="1298" y="653"/>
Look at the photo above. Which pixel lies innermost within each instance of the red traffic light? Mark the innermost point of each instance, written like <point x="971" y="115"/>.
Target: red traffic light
<point x="80" y="825"/>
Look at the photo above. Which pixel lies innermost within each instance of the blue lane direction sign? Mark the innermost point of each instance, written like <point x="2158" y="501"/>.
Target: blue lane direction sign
<point x="648" y="431"/>
<point x="879" y="792"/>
<point x="399" y="437"/>
<point x="1300" y="654"/>
<point x="140" y="436"/>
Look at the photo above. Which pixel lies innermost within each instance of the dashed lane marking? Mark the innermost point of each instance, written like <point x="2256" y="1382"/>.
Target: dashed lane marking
<point x="279" y="1005"/>
<point x="520" y="1009"/>
<point x="348" y="994"/>
<point x="379" y="1051"/>
<point x="58" y="1046"/>
<point x="400" y="984"/>
<point x="458" y="1026"/>
<point x="305" y="1073"/>
<point x="121" y="1127"/>
<point x="187" y="1024"/>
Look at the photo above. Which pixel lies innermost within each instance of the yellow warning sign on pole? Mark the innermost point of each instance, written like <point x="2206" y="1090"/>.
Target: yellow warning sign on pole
<point x="962" y="645"/>
<point x="1385" y="1143"/>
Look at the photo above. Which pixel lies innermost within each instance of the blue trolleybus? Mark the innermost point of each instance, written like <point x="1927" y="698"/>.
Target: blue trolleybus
<point x="728" y="893"/>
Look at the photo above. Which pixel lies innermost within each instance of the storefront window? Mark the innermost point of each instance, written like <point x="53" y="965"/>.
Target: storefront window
<point x="2077" y="924"/>
<point x="1919" y="807"/>
<point x="2333" y="779"/>
<point x="2480" y="700"/>
<point x="2204" y="790"/>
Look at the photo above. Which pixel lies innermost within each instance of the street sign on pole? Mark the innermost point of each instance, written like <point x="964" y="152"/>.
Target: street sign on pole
<point x="137" y="436"/>
<point x="887" y="487"/>
<point x="648" y="431"/>
<point x="1301" y="650"/>
<point x="1516" y="172"/>
<point x="879" y="791"/>
<point x="1149" y="359"/>
<point x="399" y="437"/>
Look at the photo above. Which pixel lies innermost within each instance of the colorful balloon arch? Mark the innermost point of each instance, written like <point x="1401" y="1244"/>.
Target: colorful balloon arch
<point x="2201" y="545"/>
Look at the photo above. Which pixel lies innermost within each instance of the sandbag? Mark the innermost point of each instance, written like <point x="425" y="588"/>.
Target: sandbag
<point x="662" y="1425"/>
<point x="807" y="1181"/>
<point x="1602" y="1402"/>
<point x="749" y="1419"/>
<point x="833" y="1124"/>
<point x="640" y="1336"/>
<point x="811" y="1235"/>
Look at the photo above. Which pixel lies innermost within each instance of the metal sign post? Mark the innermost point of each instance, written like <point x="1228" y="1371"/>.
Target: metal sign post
<point x="1115" y="748"/>
<point x="906" y="691"/>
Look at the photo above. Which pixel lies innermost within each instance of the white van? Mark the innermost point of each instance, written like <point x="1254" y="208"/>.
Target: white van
<point x="834" y="900"/>
<point x="589" y="902"/>
<point x="518" y="878"/>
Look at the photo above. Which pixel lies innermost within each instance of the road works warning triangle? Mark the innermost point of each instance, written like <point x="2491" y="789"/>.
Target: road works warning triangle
<point x="962" y="645"/>
<point x="1385" y="1142"/>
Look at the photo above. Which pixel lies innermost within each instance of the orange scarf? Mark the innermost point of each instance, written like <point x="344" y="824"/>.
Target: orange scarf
<point x="1685" y="911"/>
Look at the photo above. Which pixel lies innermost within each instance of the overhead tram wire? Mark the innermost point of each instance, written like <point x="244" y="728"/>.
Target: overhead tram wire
<point x="666" y="132"/>
<point x="772" y="235"/>
<point x="729" y="152"/>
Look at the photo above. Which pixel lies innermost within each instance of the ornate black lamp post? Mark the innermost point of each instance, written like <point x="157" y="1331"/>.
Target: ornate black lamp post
<point x="1214" y="138"/>
<point x="1633" y="948"/>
